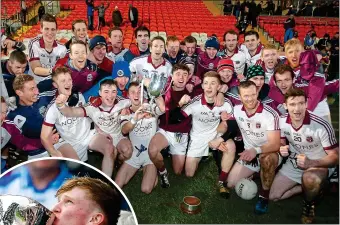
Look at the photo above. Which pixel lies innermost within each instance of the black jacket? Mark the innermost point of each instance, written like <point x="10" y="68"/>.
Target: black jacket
<point x="134" y="13"/>
<point x="117" y="18"/>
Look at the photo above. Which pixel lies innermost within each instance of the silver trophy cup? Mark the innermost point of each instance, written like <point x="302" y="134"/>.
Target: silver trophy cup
<point x="19" y="210"/>
<point x="156" y="88"/>
<point x="157" y="85"/>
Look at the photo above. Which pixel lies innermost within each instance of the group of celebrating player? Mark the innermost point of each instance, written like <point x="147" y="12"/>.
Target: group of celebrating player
<point x="254" y="108"/>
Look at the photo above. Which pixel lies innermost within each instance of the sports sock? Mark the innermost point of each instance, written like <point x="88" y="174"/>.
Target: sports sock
<point x="223" y="176"/>
<point x="162" y="170"/>
<point x="264" y="193"/>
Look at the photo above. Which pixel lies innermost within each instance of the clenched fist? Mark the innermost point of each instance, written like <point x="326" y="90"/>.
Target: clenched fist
<point x="61" y="100"/>
<point x="224" y="88"/>
<point x="95" y="101"/>
<point x="303" y="161"/>
<point x="189" y="87"/>
<point x="184" y="100"/>
<point x="225" y="116"/>
<point x="284" y="150"/>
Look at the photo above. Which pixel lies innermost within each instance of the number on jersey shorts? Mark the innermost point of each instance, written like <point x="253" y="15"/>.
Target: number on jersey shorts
<point x="80" y="147"/>
<point x="177" y="142"/>
<point x="258" y="166"/>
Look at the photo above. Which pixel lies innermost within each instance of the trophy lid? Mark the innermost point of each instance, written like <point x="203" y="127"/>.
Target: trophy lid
<point x="20" y="210"/>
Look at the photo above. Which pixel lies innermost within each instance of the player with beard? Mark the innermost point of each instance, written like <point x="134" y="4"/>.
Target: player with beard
<point x="142" y="34"/>
<point x="79" y="30"/>
<point x="257" y="75"/>
<point x="83" y="71"/>
<point x="269" y="60"/>
<point x="141" y="126"/>
<point x="308" y="72"/>
<point x="312" y="154"/>
<point x="97" y="55"/>
<point x="259" y="125"/>
<point x="284" y="81"/>
<point x="205" y="120"/>
<point x="105" y="114"/>
<point x="252" y="47"/>
<point x="171" y="133"/>
<point x="116" y="52"/>
<point x="173" y="52"/>
<point x="232" y="52"/>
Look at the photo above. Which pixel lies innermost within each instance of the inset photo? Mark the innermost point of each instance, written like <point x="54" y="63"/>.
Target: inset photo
<point x="53" y="191"/>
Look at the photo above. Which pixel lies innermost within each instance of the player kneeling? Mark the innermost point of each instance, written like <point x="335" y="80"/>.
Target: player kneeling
<point x="205" y="120"/>
<point x="75" y="132"/>
<point x="171" y="133"/>
<point x="141" y="126"/>
<point x="312" y="154"/>
<point x="259" y="126"/>
<point x="105" y="115"/>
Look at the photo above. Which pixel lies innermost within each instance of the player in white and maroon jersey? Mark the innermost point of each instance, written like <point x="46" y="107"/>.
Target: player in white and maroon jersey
<point x="232" y="52"/>
<point x="205" y="120"/>
<point x="284" y="81"/>
<point x="259" y="126"/>
<point x="147" y="66"/>
<point x="141" y="126"/>
<point x="105" y="115"/>
<point x="312" y="154"/>
<point x="75" y="132"/>
<point x="257" y="75"/>
<point x="268" y="61"/>
<point x="171" y="133"/>
<point x="44" y="51"/>
<point x="115" y="50"/>
<point x="252" y="47"/>
<point x="308" y="72"/>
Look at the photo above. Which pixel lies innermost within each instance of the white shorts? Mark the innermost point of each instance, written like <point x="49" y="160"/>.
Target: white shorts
<point x="41" y="155"/>
<point x="199" y="146"/>
<point x="139" y="161"/>
<point x="80" y="147"/>
<point x="178" y="146"/>
<point x="116" y="139"/>
<point x="258" y="167"/>
<point x="290" y="170"/>
<point x="322" y="109"/>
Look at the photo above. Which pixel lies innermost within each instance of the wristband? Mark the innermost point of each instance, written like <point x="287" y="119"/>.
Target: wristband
<point x="133" y="121"/>
<point x="60" y="107"/>
<point x="258" y="150"/>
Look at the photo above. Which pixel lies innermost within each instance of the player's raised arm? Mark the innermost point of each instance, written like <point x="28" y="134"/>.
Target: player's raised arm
<point x="69" y="111"/>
